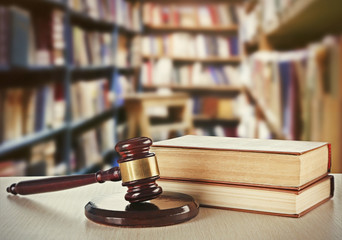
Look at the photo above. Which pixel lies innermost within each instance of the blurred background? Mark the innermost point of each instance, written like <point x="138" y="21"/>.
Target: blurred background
<point x="77" y="76"/>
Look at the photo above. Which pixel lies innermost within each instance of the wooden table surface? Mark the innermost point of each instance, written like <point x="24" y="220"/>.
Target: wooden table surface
<point x="60" y="215"/>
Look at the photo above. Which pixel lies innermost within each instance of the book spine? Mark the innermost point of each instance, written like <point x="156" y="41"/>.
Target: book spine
<point x="329" y="157"/>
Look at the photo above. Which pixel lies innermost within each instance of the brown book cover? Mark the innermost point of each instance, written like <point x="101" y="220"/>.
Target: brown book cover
<point x="254" y="198"/>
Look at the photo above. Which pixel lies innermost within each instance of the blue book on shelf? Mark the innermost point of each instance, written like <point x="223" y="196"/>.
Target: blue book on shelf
<point x="223" y="76"/>
<point x="234" y="45"/>
<point x="285" y="78"/>
<point x="119" y="100"/>
<point x="196" y="105"/>
<point x="214" y="76"/>
<point x="20" y="30"/>
<point x="41" y="102"/>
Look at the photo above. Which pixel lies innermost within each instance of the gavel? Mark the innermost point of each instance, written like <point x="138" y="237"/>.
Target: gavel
<point x="138" y="170"/>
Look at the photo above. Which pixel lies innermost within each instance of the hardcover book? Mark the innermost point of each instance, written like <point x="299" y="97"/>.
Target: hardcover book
<point x="20" y="25"/>
<point x="256" y="199"/>
<point x="281" y="163"/>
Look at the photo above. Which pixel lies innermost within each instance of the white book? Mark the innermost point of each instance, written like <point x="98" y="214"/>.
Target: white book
<point x="144" y="74"/>
<point x="200" y="46"/>
<point x="204" y="18"/>
<point x="156" y="15"/>
<point x="196" y="74"/>
<point x="224" y="15"/>
<point x="223" y="48"/>
<point x="163" y="71"/>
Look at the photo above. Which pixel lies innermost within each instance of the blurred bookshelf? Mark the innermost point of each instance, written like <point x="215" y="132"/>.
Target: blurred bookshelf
<point x="289" y="69"/>
<point x="264" y="69"/>
<point x="67" y="71"/>
<point x="192" y="47"/>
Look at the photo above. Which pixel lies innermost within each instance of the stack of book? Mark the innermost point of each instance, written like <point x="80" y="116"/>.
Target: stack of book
<point x="277" y="177"/>
<point x="28" y="39"/>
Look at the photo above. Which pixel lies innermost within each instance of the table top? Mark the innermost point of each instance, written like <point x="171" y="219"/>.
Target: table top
<point x="60" y="215"/>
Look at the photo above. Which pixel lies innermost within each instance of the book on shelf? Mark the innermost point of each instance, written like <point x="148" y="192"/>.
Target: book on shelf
<point x="281" y="163"/>
<point x="128" y="51"/>
<point x="89" y="98"/>
<point x="30" y="110"/>
<point x="86" y="150"/>
<point x="180" y="44"/>
<point x="91" y="48"/>
<point x="42" y="159"/>
<point x="164" y="72"/>
<point x="89" y="147"/>
<point x="194" y="16"/>
<point x="121" y="57"/>
<point x="29" y="39"/>
<point x="256" y="199"/>
<point x="16" y="36"/>
<point x="124" y="86"/>
<point x="13" y="168"/>
<point x="120" y="12"/>
<point x="215" y="107"/>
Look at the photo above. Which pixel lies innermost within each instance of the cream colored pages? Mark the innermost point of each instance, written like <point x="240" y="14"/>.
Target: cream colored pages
<point x="241" y="144"/>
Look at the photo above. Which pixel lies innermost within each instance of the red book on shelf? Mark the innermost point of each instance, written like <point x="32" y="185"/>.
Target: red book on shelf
<point x="214" y="15"/>
<point x="175" y="17"/>
<point x="165" y="15"/>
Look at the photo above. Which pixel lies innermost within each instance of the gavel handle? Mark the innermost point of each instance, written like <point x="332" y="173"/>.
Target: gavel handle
<point x="65" y="182"/>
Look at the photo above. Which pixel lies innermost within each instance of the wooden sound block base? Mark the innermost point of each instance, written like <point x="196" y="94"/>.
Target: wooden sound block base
<point x="168" y="209"/>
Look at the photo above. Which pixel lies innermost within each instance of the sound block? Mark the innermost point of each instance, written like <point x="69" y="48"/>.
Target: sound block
<point x="168" y="209"/>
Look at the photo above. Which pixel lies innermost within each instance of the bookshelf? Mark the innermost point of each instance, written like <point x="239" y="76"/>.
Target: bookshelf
<point x="303" y="23"/>
<point x="218" y="27"/>
<point x="301" y="37"/>
<point x="65" y="75"/>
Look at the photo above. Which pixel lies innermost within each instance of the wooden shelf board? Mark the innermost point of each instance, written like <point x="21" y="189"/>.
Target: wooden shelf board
<point x="82" y="19"/>
<point x="214" y="29"/>
<point x="31" y="69"/>
<point x="169" y="127"/>
<point x="233" y="59"/>
<point x="127" y="31"/>
<point x="224" y="89"/>
<point x="36" y="4"/>
<point x="189" y="1"/>
<point x="26" y="141"/>
<point x="305" y="21"/>
<point x="127" y="70"/>
<point x="203" y="118"/>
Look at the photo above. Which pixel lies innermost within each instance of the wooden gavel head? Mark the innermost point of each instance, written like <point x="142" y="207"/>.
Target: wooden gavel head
<point x="139" y="169"/>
